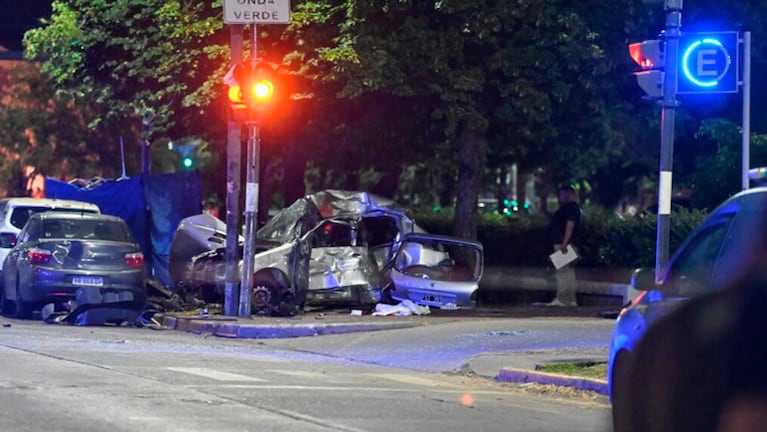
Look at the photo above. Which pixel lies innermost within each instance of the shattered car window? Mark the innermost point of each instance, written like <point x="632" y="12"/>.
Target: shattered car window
<point x="290" y="223"/>
<point x="439" y="260"/>
<point x="332" y="234"/>
<point x="377" y="231"/>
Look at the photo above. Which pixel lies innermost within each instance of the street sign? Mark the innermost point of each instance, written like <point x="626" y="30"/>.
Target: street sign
<point x="257" y="11"/>
<point x="708" y="63"/>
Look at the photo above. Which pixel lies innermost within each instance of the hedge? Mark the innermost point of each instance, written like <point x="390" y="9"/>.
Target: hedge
<point x="608" y="239"/>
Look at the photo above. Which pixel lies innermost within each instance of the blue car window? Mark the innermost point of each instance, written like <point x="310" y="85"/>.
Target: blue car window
<point x="689" y="273"/>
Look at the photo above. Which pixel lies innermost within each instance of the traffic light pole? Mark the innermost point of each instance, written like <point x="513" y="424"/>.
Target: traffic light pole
<point x="233" y="156"/>
<point x="746" y="138"/>
<point x="251" y="200"/>
<point x="673" y="10"/>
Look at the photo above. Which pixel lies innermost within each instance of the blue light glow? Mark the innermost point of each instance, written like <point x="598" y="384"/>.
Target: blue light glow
<point x="686" y="62"/>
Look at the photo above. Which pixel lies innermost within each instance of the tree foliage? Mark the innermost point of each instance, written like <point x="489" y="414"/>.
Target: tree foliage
<point x="131" y="56"/>
<point x="452" y="87"/>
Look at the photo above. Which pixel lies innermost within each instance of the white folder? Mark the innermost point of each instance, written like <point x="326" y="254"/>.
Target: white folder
<point x="560" y="259"/>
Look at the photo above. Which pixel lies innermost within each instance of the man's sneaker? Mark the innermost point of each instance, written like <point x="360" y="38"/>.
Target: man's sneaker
<point x="558" y="302"/>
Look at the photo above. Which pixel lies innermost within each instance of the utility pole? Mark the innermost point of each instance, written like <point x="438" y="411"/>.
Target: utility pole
<point x="746" y="138"/>
<point x="147" y="118"/>
<point x="251" y="197"/>
<point x="672" y="33"/>
<point x="233" y="156"/>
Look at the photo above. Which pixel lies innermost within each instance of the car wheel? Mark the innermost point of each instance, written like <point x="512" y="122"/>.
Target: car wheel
<point x="619" y="379"/>
<point x="23" y="308"/>
<point x="265" y="295"/>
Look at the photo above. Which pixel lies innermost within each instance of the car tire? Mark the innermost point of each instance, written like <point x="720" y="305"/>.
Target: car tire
<point x="23" y="308"/>
<point x="619" y="379"/>
<point x="266" y="294"/>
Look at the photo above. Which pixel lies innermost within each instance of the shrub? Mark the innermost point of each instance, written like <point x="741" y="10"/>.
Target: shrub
<point x="608" y="239"/>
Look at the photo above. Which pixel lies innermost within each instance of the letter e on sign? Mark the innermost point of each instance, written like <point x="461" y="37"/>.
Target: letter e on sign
<point x="708" y="63"/>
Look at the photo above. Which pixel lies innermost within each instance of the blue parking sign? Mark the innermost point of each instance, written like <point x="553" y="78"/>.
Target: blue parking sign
<point x="708" y="63"/>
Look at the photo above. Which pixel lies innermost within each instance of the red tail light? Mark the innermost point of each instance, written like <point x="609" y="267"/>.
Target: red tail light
<point x="134" y="260"/>
<point x="39" y="256"/>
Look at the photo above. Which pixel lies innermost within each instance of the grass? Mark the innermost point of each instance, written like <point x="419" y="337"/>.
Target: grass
<point x="583" y="369"/>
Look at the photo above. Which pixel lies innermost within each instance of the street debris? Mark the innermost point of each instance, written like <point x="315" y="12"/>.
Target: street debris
<point x="404" y="308"/>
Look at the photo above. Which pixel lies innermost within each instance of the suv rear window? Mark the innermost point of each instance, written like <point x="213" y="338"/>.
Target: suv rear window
<point x="20" y="215"/>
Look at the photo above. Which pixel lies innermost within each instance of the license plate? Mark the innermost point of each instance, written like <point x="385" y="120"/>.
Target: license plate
<point x="88" y="280"/>
<point x="431" y="298"/>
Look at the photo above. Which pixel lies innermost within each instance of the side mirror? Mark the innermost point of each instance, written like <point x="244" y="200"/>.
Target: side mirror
<point x="643" y="279"/>
<point x="7" y="240"/>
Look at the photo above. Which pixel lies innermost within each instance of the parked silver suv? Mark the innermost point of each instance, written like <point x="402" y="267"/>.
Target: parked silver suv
<point x="14" y="213"/>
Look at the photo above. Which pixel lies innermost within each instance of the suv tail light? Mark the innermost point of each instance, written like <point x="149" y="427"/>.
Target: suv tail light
<point x="39" y="256"/>
<point x="134" y="260"/>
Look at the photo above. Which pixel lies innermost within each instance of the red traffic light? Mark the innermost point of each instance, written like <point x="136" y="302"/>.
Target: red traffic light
<point x="262" y="90"/>
<point x="647" y="54"/>
<point x="253" y="90"/>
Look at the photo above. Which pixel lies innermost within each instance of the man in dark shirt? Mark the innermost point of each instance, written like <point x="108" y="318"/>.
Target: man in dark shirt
<point x="564" y="229"/>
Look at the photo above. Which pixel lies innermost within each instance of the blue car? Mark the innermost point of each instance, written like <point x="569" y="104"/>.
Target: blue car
<point x="714" y="255"/>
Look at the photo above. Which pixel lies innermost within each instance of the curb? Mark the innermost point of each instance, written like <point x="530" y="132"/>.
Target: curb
<point x="526" y="376"/>
<point x="230" y="328"/>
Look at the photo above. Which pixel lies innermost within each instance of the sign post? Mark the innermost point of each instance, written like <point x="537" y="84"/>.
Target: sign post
<point x="673" y="10"/>
<point x="746" y="138"/>
<point x="238" y="13"/>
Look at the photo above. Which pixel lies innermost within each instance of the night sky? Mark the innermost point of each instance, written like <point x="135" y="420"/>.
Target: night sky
<point x="18" y="16"/>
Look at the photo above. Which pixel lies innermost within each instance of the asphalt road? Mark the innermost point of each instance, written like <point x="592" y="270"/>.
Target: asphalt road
<point x="123" y="379"/>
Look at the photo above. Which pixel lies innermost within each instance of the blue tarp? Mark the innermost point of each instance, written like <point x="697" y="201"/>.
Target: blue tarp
<point x="153" y="206"/>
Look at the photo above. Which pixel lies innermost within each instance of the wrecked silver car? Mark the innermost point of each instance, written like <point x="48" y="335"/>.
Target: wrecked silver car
<point x="329" y="248"/>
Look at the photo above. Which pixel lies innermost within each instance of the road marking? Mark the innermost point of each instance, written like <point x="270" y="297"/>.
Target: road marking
<point x="352" y="388"/>
<point x="301" y="374"/>
<point x="214" y="374"/>
<point x="414" y="380"/>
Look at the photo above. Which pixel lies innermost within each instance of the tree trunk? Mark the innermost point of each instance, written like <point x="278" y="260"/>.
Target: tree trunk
<point x="448" y="188"/>
<point x="470" y="165"/>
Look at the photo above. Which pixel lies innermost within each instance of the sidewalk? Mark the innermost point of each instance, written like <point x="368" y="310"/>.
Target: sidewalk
<point x="527" y="285"/>
<point x="521" y="367"/>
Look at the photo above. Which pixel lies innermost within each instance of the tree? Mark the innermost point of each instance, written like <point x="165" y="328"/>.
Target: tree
<point x="482" y="72"/>
<point x="132" y="56"/>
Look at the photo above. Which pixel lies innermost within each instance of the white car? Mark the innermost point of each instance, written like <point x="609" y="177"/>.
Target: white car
<point x="14" y="213"/>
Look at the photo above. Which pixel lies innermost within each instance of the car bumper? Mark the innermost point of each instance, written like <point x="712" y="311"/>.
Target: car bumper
<point x="47" y="285"/>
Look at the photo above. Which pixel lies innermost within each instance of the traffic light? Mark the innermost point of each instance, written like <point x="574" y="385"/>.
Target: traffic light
<point x="187" y="162"/>
<point x="252" y="90"/>
<point x="649" y="56"/>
